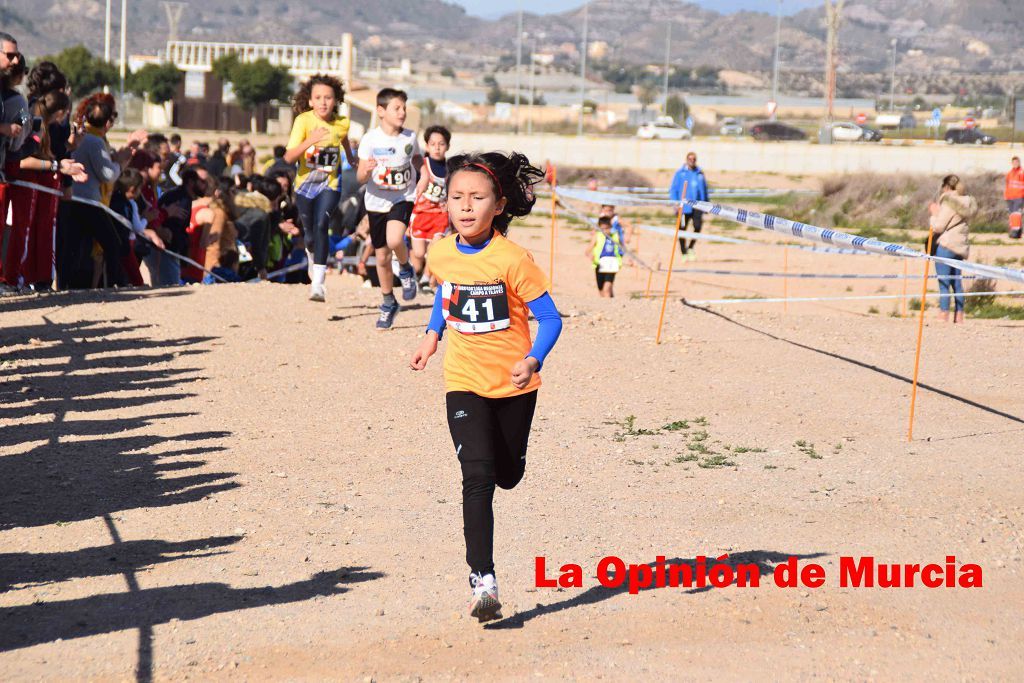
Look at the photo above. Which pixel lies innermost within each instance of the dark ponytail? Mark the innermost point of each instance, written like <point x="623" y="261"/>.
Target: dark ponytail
<point x="512" y="177"/>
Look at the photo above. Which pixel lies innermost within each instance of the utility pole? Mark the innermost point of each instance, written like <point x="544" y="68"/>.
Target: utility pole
<point x="173" y="10"/>
<point x="519" y="61"/>
<point x="775" y="68"/>
<point x="668" y="54"/>
<point x="583" y="67"/>
<point x="833" y="13"/>
<point x="533" y="92"/>
<point x="892" y="89"/>
<point x="124" y="45"/>
<point x="106" y="35"/>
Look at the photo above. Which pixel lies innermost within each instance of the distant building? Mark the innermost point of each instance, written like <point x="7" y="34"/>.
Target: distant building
<point x="204" y="102"/>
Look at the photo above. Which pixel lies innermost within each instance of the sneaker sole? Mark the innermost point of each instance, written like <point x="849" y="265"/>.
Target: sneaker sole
<point x="317" y="297"/>
<point x="486" y="609"/>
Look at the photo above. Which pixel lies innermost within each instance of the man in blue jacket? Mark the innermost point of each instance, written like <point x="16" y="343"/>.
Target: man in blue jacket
<point x="696" y="190"/>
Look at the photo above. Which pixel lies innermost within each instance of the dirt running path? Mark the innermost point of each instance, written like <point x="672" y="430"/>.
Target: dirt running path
<point x="232" y="483"/>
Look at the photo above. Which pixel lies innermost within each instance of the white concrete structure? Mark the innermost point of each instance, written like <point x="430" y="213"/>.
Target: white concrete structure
<point x="793" y="158"/>
<point x="302" y="60"/>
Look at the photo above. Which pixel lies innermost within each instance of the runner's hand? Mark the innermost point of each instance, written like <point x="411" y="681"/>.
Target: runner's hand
<point x="522" y="372"/>
<point x="316" y="135"/>
<point x="428" y="347"/>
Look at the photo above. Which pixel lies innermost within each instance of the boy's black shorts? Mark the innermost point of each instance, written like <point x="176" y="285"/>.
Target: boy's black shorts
<point x="400" y="211"/>
<point x="603" y="278"/>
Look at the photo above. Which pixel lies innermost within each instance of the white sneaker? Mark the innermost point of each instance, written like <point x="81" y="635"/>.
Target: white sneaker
<point x="317" y="293"/>
<point x="484" y="605"/>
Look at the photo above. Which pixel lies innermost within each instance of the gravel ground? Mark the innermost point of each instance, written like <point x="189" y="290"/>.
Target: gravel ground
<point x="232" y="483"/>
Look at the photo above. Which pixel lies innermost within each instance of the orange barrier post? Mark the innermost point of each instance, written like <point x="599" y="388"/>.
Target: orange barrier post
<point x="650" y="274"/>
<point x="637" y="253"/>
<point x="920" y="333"/>
<point x="554" y="217"/>
<point x="671" y="260"/>
<point x="903" y="309"/>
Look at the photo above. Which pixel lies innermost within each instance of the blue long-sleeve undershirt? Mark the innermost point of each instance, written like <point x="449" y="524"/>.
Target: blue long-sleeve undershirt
<point x="549" y="322"/>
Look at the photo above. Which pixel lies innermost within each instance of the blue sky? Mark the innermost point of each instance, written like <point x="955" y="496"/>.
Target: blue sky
<point x="491" y="9"/>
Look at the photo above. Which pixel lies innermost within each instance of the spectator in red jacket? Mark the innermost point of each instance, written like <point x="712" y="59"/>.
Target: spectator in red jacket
<point x="1014" y="194"/>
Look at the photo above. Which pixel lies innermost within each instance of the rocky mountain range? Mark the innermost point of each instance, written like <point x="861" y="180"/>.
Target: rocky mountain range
<point x="931" y="35"/>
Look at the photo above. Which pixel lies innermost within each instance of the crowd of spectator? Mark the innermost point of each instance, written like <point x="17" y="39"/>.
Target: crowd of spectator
<point x="82" y="213"/>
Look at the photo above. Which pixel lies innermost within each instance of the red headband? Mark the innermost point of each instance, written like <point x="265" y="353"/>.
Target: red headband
<point x="493" y="177"/>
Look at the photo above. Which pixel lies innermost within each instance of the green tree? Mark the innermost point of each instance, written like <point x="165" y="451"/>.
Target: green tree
<point x="496" y="94"/>
<point x="428" y="107"/>
<point x="448" y="72"/>
<point x="157" y="82"/>
<point x="260" y="82"/>
<point x="677" y="108"/>
<point x="646" y="93"/>
<point x="223" y="67"/>
<point x="85" y="73"/>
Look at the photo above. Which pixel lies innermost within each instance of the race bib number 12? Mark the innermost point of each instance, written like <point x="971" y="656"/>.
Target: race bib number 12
<point x="475" y="309"/>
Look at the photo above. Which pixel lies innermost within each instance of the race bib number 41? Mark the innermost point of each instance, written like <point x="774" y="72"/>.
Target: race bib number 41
<point x="475" y="309"/>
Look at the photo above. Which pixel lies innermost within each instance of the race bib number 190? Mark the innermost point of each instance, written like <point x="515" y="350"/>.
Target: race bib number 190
<point x="475" y="309"/>
<point x="388" y="178"/>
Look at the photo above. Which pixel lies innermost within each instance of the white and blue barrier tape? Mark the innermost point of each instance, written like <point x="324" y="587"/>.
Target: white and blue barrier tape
<point x="116" y="216"/>
<point x="835" y="238"/>
<point x="662" y="192"/>
<point x="800" y="299"/>
<point x="733" y="240"/>
<point x="817" y="276"/>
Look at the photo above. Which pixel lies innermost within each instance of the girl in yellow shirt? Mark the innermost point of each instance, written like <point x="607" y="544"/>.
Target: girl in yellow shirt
<point x="319" y="134"/>
<point x="488" y="287"/>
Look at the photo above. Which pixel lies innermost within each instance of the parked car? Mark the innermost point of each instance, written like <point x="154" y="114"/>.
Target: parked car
<point x="847" y="132"/>
<point x="904" y="120"/>
<point x="731" y="126"/>
<point x="773" y="130"/>
<point x="871" y="134"/>
<point x="968" y="136"/>
<point x="664" y="128"/>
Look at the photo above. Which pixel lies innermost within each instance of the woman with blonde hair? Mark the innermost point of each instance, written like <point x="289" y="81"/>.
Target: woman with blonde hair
<point x="951" y="240"/>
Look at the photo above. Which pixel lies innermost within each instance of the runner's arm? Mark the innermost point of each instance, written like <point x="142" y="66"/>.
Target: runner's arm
<point x="348" y="151"/>
<point x="549" y="327"/>
<point x="437" y="323"/>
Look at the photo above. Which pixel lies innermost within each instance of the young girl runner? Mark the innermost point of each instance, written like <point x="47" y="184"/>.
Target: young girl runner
<point x="318" y="135"/>
<point x="488" y="287"/>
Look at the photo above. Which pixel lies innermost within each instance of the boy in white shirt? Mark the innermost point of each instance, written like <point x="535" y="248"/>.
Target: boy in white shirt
<point x="389" y="156"/>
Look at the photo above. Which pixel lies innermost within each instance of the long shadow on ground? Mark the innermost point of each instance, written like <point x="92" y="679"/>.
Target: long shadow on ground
<point x="862" y="364"/>
<point x="45" y="622"/>
<point x="81" y="402"/>
<point x="765" y="561"/>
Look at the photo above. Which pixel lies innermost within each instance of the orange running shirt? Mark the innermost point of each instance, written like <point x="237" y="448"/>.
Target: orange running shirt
<point x="485" y="296"/>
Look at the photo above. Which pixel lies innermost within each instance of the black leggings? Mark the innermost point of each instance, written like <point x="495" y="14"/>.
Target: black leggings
<point x="697" y="218"/>
<point x="315" y="215"/>
<point x="490" y="437"/>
